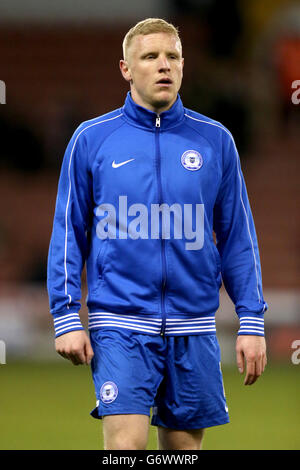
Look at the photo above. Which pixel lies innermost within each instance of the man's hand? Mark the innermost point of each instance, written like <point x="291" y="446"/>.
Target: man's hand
<point x="75" y="346"/>
<point x="252" y="350"/>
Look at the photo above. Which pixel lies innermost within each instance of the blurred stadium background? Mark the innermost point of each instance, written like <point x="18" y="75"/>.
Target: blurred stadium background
<point x="59" y="62"/>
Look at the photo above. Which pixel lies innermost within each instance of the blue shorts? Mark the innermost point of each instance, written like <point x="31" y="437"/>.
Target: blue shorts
<point x="178" y="376"/>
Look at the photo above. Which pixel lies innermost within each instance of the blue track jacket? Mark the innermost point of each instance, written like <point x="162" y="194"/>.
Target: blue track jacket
<point x="139" y="199"/>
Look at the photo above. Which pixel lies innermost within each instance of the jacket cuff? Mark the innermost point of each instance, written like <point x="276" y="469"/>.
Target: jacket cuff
<point x="251" y="324"/>
<point x="66" y="323"/>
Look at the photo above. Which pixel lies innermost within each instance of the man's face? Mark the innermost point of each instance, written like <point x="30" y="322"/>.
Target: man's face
<point x="154" y="69"/>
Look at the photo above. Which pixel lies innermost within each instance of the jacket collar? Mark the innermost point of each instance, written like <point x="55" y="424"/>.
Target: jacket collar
<point x="145" y="118"/>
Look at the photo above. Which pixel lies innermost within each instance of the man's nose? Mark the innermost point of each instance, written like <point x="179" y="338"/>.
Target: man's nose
<point x="164" y="64"/>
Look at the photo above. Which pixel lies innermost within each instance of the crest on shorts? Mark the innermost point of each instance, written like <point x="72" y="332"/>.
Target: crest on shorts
<point x="108" y="392"/>
<point x="192" y="160"/>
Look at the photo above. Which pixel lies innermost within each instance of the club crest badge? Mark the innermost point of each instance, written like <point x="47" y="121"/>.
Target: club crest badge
<point x="192" y="160"/>
<point x="108" y="392"/>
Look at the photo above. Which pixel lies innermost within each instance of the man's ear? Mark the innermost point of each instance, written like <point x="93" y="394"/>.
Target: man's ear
<point x="125" y="71"/>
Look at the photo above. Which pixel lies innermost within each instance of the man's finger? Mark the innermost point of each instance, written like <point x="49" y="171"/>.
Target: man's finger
<point x="75" y="359"/>
<point x="264" y="362"/>
<point x="250" y="372"/>
<point x="240" y="361"/>
<point x="259" y="367"/>
<point x="67" y="355"/>
<point x="63" y="354"/>
<point x="78" y="356"/>
<point x="89" y="353"/>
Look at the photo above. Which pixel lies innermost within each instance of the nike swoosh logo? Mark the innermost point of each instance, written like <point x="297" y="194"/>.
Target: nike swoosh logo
<point x="116" y="165"/>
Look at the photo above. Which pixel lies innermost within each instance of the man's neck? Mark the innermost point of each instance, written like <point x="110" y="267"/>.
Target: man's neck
<point x="150" y="107"/>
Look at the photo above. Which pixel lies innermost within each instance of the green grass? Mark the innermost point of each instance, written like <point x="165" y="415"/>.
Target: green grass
<point x="46" y="406"/>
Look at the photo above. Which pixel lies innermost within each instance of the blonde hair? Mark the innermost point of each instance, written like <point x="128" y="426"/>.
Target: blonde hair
<point x="149" y="26"/>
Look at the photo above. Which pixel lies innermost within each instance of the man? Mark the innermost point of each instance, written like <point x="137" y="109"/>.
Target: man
<point x="141" y="190"/>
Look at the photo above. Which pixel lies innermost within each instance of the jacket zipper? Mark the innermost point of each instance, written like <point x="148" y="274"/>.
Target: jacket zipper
<point x="163" y="247"/>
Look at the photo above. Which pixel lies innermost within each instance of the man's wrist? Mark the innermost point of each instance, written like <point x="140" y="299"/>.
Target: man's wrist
<point x="66" y="322"/>
<point x="251" y="324"/>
